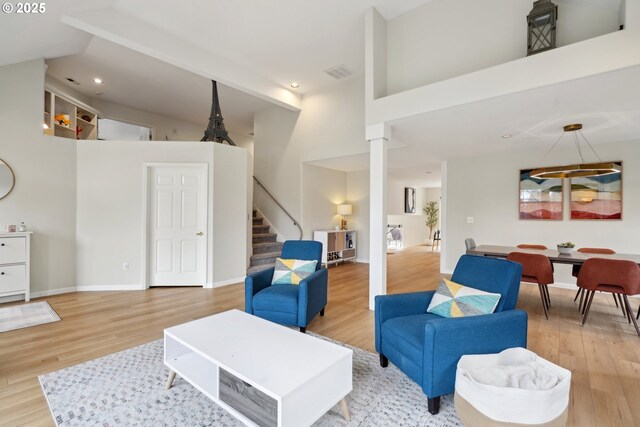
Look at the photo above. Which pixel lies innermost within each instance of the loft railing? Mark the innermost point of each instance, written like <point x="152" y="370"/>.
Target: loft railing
<point x="279" y="205"/>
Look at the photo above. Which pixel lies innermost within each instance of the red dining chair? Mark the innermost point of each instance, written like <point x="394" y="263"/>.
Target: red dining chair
<point x="536" y="247"/>
<point x="576" y="270"/>
<point x="536" y="268"/>
<point x="610" y="275"/>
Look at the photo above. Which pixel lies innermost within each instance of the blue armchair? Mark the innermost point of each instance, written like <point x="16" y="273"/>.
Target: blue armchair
<point x="294" y="305"/>
<point x="427" y="347"/>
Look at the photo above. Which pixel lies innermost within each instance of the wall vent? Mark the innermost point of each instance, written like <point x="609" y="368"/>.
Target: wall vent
<point x="72" y="81"/>
<point x="339" y="72"/>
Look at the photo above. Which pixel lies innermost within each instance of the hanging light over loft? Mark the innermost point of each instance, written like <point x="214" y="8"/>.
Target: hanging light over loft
<point x="541" y="27"/>
<point x="577" y="170"/>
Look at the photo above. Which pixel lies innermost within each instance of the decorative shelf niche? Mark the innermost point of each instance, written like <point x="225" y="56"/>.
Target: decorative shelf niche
<point x="82" y="119"/>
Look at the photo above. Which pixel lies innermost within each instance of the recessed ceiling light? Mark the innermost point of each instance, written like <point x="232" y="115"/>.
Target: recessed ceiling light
<point x="507" y="135"/>
<point x="295" y="85"/>
<point x="97" y="81"/>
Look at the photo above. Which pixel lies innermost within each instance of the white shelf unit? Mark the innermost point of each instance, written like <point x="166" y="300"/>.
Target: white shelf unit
<point x="81" y="116"/>
<point x="337" y="245"/>
<point x="15" y="264"/>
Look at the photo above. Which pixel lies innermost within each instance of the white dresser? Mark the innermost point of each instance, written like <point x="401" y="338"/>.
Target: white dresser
<point x="15" y="257"/>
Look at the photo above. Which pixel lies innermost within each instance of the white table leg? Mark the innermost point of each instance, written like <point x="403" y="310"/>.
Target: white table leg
<point x="172" y="376"/>
<point x="345" y="410"/>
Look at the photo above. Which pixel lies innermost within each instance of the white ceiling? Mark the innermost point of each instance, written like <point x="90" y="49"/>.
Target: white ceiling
<point x="139" y="81"/>
<point x="284" y="40"/>
<point x="608" y="105"/>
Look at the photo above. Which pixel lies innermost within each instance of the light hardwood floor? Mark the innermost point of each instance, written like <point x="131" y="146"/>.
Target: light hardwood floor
<point x="604" y="355"/>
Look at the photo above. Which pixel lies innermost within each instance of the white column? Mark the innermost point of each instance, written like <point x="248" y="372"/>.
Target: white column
<point x="378" y="136"/>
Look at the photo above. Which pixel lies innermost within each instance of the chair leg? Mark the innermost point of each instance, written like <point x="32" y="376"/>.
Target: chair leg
<point x="580" y="306"/>
<point x="638" y="315"/>
<point x="635" y="323"/>
<point x="322" y="312"/>
<point x="546" y="292"/>
<point x="544" y="302"/>
<point x="621" y="305"/>
<point x="384" y="362"/>
<point x="615" y="299"/>
<point x="580" y="290"/>
<point x="434" y="405"/>
<point x="303" y="329"/>
<point x="587" y="306"/>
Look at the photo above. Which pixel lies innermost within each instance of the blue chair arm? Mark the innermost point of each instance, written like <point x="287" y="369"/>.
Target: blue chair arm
<point x="253" y="284"/>
<point x="397" y="305"/>
<point x="313" y="296"/>
<point x="448" y="339"/>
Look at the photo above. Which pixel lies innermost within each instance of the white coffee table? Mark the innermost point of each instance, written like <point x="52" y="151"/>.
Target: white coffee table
<point x="262" y="373"/>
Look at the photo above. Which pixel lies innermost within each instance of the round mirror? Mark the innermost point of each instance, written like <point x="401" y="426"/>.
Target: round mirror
<point x="7" y="179"/>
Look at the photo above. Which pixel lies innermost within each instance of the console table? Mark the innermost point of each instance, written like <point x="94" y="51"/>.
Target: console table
<point x="15" y="263"/>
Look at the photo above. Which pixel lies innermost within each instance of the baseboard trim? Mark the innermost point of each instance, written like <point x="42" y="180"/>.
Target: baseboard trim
<point x="227" y="282"/>
<point x="38" y="294"/>
<point x="110" y="288"/>
<point x="362" y="260"/>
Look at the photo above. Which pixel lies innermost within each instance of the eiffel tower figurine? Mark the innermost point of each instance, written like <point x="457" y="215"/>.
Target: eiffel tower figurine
<point x="216" y="131"/>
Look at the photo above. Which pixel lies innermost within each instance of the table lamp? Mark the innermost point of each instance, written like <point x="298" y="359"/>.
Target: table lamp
<point x="344" y="210"/>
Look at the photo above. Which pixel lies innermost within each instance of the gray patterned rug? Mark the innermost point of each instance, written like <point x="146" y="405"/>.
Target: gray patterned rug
<point x="127" y="389"/>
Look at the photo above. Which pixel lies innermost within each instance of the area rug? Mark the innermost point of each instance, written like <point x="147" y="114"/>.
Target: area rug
<point x="127" y="389"/>
<point x="26" y="315"/>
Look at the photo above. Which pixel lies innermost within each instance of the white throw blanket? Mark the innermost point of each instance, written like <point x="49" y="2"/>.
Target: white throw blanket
<point x="516" y="369"/>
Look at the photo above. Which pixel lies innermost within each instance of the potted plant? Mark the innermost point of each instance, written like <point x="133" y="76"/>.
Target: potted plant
<point x="431" y="211"/>
<point x="566" y="247"/>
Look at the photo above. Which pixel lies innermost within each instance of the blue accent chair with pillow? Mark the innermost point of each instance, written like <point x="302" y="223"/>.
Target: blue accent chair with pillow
<point x="427" y="347"/>
<point x="292" y="305"/>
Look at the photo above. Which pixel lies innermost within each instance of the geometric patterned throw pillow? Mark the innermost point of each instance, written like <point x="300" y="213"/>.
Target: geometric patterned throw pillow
<point x="455" y="300"/>
<point x="292" y="271"/>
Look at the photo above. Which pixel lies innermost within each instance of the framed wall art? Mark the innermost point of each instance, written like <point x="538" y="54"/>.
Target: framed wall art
<point x="540" y="198"/>
<point x="597" y="197"/>
<point x="409" y="200"/>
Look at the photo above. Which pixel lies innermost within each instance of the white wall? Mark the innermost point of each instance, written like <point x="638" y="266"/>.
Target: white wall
<point x="486" y="188"/>
<point x="331" y="124"/>
<point x="164" y="127"/>
<point x="110" y="209"/>
<point x="322" y="190"/>
<point x="44" y="196"/>
<point x="358" y="195"/>
<point x="414" y="229"/>
<point x="424" y="48"/>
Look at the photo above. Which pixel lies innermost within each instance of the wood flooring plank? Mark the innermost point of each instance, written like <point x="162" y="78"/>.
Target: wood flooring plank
<point x="603" y="355"/>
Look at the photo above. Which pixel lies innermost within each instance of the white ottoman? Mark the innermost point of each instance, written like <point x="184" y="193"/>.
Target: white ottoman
<point x="512" y="388"/>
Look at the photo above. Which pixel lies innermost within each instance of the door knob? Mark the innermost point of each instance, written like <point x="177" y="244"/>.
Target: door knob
<point x="199" y="233"/>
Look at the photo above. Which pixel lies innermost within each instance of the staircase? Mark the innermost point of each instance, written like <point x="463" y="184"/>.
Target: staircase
<point x="265" y="247"/>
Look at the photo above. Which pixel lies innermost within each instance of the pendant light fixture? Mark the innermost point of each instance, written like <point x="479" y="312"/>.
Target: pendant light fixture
<point x="578" y="170"/>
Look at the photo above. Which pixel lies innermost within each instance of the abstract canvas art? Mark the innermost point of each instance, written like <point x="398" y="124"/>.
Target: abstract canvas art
<point x="540" y="198"/>
<point x="409" y="200"/>
<point x="597" y="197"/>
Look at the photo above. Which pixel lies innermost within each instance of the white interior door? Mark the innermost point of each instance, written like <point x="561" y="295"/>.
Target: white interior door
<point x="178" y="225"/>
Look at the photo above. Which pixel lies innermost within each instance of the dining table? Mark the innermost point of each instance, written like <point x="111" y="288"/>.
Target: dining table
<point x="574" y="258"/>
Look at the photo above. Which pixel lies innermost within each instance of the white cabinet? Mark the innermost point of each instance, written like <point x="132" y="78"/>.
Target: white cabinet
<point x="15" y="261"/>
<point x="337" y="245"/>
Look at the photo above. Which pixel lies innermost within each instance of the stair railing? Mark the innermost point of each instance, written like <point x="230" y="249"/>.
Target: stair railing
<point x="279" y="205"/>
